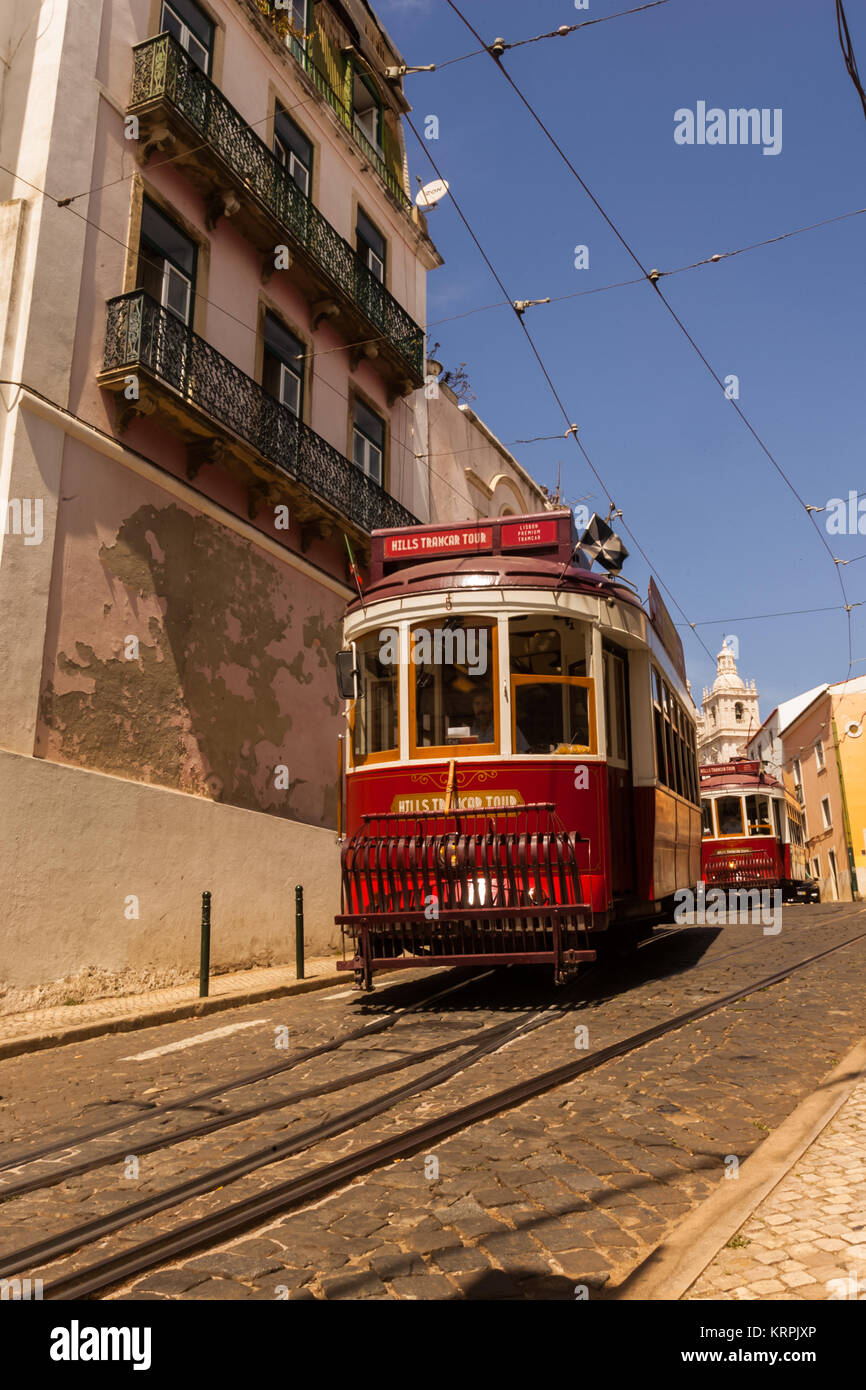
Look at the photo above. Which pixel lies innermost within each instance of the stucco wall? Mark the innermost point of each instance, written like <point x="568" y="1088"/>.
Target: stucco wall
<point x="177" y="652"/>
<point x="76" y="846"/>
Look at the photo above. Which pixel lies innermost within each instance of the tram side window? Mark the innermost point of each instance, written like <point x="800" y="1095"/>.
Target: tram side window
<point x="758" y="815"/>
<point x="707" y="817"/>
<point x="374" y="728"/>
<point x="778" y="819"/>
<point x="729" y="810"/>
<point x="676" y="750"/>
<point x="453" y="669"/>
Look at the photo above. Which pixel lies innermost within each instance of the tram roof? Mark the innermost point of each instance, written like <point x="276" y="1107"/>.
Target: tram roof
<point x="485" y="572"/>
<point x="525" y="552"/>
<point x="739" y="775"/>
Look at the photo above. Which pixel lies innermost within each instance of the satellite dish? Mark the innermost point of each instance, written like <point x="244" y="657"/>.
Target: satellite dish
<point x="431" y="194"/>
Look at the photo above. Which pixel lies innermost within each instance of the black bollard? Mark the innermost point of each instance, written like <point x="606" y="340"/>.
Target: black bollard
<point x="204" y="966"/>
<point x="299" y="932"/>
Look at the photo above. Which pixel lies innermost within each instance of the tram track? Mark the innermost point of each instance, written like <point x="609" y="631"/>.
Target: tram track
<point x="250" y="1211"/>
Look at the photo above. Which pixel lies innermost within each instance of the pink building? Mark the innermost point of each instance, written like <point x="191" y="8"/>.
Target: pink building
<point x="214" y="335"/>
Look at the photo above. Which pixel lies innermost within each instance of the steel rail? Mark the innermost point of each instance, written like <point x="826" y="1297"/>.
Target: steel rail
<point x="186" y="1102"/>
<point x="55" y="1246"/>
<point x="250" y="1211"/>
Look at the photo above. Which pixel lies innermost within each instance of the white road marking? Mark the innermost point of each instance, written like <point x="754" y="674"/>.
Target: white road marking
<point x="192" y="1042"/>
<point x="344" y="994"/>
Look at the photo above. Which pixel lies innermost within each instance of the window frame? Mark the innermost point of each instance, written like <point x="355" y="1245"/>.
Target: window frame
<point x="189" y="277"/>
<point x="565" y="750"/>
<point x="282" y="115"/>
<point x="356" y="429"/>
<point x="364" y="247"/>
<point x="820" y="759"/>
<point x="387" y="755"/>
<point x="453" y="750"/>
<point x="270" y="350"/>
<point x="826" y="813"/>
<point x="208" y="48"/>
<point x="378" y="106"/>
<point x="742" y="833"/>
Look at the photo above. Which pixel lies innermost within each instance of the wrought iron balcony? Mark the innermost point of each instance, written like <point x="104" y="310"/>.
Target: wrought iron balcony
<point x="196" y="387"/>
<point x="179" y="108"/>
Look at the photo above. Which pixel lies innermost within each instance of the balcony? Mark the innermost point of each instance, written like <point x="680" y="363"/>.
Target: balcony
<point x="180" y="111"/>
<point x="224" y="416"/>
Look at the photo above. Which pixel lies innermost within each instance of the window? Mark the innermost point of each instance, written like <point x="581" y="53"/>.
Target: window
<point x="831" y="857"/>
<point x="825" y="813"/>
<point x="758" y="815"/>
<point x="707" y="827"/>
<point x="615" y="708"/>
<point x="283" y="365"/>
<point x="798" y="780"/>
<point x="729" y="810"/>
<point x="453" y="691"/>
<point x="192" y="29"/>
<point x="778" y="819"/>
<point x="816" y="868"/>
<point x="738" y="712"/>
<point x="368" y="445"/>
<point x="370" y="245"/>
<point x="166" y="262"/>
<point x="676" y="746"/>
<point x="374" y="715"/>
<point x="551" y="703"/>
<point x="819" y="755"/>
<point x="367" y="109"/>
<point x="293" y="150"/>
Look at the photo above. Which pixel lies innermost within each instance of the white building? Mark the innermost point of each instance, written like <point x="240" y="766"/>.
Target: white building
<point x="730" y="713"/>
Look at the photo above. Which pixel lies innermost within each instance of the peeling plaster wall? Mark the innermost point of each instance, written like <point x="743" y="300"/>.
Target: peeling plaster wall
<point x="75" y="846"/>
<point x="180" y="654"/>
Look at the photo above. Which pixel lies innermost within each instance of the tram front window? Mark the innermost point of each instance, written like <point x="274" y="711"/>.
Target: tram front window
<point x="453" y="665"/>
<point x="551" y="703"/>
<point x="758" y="815"/>
<point x="729" y="810"/>
<point x="374" y="726"/>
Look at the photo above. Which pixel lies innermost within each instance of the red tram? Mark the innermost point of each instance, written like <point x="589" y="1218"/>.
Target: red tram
<point x="521" y="768"/>
<point x="753" y="834"/>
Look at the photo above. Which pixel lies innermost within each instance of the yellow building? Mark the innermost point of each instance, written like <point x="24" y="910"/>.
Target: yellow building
<point x="825" y="753"/>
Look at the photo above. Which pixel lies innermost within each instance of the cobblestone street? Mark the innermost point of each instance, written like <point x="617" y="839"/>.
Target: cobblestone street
<point x="569" y="1191"/>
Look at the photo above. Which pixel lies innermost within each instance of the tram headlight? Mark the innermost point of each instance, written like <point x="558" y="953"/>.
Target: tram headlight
<point x="479" y="889"/>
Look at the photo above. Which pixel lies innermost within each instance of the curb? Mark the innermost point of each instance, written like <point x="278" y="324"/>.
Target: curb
<point x="670" y="1270"/>
<point x="170" y="1013"/>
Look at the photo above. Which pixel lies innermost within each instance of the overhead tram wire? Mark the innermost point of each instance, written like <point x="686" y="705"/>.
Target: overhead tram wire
<point x="571" y="429"/>
<point x="848" y="52"/>
<point x="653" y="278"/>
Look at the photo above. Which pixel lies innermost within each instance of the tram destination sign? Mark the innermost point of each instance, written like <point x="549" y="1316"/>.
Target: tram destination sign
<point x="462" y="540"/>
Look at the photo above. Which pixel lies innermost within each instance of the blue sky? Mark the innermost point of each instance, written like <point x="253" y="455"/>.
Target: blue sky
<point x="720" y="527"/>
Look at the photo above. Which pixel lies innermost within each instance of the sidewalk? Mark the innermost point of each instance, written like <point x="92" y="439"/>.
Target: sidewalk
<point x="808" y="1238"/>
<point x="792" y="1224"/>
<point x="36" y="1029"/>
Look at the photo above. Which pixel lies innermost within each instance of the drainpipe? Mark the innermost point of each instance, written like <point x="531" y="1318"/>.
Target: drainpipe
<point x="852" y="869"/>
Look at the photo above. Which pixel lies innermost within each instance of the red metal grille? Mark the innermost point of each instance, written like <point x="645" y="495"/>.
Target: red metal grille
<point x="465" y="884"/>
<point x="756" y="869"/>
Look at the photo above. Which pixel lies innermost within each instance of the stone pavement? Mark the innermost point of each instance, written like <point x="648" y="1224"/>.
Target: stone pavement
<point x="807" y="1239"/>
<point x="34" y="1029"/>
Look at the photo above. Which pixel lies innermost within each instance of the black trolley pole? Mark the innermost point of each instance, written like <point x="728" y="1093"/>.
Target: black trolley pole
<point x="204" y="965"/>
<point x="299" y="932"/>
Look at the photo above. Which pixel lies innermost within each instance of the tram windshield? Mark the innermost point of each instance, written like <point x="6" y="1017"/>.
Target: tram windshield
<point x="454" y="688"/>
<point x="758" y="815"/>
<point x="729" y="810"/>
<point x="551" y="704"/>
<point x="374" y="728"/>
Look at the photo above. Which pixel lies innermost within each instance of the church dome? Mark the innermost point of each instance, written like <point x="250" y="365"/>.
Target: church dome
<point x="727" y="677"/>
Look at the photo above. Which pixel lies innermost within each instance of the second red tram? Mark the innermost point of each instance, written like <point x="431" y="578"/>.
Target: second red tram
<point x="521" y="768"/>
<point x="753" y="834"/>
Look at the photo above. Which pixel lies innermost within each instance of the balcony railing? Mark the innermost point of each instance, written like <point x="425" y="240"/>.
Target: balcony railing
<point x="141" y="334"/>
<point x="346" y="117"/>
<point x="164" y="72"/>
